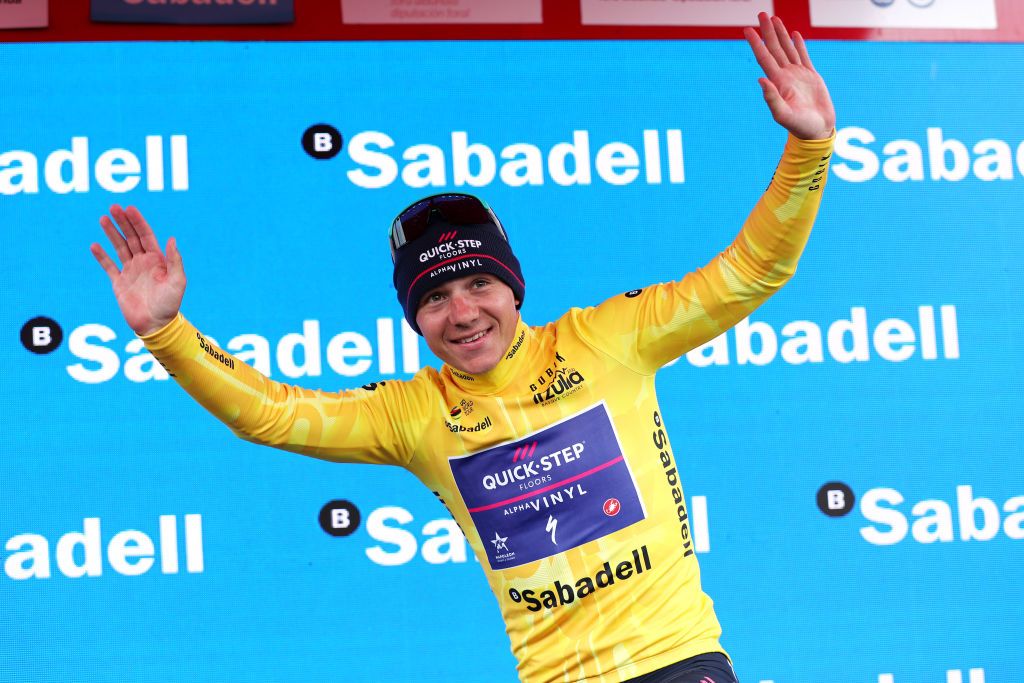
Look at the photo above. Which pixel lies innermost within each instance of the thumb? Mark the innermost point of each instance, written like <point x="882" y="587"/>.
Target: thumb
<point x="174" y="262"/>
<point x="771" y="95"/>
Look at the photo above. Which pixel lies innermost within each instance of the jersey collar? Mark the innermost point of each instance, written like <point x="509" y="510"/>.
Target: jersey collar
<point x="516" y="360"/>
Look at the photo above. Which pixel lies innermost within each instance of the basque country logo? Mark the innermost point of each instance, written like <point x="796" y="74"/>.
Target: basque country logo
<point x="556" y="382"/>
<point x="454" y="424"/>
<point x="464" y="407"/>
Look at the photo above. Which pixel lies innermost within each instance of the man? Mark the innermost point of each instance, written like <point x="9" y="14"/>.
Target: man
<point x="545" y="443"/>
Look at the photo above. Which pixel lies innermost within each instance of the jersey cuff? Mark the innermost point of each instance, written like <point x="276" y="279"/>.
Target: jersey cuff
<point x="811" y="147"/>
<point x="166" y="336"/>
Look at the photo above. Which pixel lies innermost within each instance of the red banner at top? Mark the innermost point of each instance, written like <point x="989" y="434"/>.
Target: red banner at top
<point x="890" y="20"/>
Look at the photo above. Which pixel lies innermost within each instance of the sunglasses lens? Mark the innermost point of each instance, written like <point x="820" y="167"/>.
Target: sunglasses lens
<point x="462" y="210"/>
<point x="456" y="209"/>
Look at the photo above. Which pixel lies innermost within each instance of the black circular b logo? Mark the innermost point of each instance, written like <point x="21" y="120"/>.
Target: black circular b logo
<point x="836" y="499"/>
<point x="41" y="335"/>
<point x="339" y="518"/>
<point x="322" y="141"/>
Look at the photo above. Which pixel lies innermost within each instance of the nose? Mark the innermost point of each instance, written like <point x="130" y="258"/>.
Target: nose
<point x="462" y="309"/>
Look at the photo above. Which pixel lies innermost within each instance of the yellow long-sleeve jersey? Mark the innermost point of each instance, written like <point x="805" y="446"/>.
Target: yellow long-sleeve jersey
<point x="555" y="464"/>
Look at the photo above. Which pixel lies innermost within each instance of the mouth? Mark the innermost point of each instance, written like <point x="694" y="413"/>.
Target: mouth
<point x="473" y="338"/>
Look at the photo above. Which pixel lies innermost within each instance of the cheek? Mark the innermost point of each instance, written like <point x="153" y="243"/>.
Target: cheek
<point x="428" y="325"/>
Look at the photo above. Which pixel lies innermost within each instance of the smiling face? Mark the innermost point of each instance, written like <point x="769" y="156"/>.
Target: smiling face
<point x="469" y="322"/>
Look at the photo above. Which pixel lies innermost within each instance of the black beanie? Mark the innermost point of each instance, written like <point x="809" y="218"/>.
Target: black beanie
<point x="446" y="252"/>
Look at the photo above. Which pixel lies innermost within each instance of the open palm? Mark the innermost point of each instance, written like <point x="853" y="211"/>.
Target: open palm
<point x="149" y="286"/>
<point x="795" y="93"/>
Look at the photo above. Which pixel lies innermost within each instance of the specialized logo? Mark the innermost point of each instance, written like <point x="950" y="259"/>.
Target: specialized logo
<point x="556" y="382"/>
<point x="633" y="293"/>
<point x="559" y="594"/>
<point x="552" y="482"/>
<point x="552" y="526"/>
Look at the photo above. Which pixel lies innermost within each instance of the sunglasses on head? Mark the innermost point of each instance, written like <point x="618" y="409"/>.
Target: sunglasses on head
<point x="455" y="209"/>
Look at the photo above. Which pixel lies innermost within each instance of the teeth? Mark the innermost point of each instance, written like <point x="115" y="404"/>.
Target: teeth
<point x="473" y="338"/>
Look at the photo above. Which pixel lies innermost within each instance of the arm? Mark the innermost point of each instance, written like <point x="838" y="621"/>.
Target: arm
<point x="354" y="426"/>
<point x="646" y="331"/>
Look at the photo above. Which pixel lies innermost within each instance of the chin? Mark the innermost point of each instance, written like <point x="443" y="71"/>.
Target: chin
<point x="476" y="365"/>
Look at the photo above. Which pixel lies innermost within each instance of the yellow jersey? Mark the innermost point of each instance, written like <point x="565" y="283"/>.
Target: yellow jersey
<point x="556" y="463"/>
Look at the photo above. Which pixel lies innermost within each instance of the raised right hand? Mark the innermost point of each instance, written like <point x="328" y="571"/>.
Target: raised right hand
<point x="149" y="286"/>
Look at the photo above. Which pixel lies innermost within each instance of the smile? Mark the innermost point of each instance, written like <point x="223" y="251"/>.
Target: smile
<point x="475" y="337"/>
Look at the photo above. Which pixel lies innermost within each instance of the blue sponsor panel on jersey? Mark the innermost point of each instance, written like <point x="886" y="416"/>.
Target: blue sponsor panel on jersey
<point x="561" y="487"/>
<point x="850" y="454"/>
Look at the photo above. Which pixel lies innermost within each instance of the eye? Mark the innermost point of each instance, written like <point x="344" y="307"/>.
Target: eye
<point x="432" y="298"/>
<point x="481" y="282"/>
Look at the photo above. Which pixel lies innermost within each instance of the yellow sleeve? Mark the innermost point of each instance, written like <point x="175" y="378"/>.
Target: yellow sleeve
<point x="377" y="424"/>
<point x="644" y="329"/>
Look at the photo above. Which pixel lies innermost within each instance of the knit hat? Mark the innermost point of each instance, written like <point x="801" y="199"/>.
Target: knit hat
<point x="447" y="252"/>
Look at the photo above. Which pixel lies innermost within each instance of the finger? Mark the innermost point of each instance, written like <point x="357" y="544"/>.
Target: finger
<point x="143" y="230"/>
<point x="130" y="236"/>
<point x="116" y="239"/>
<point x="108" y="265"/>
<point x="785" y="41"/>
<point x="801" y="48"/>
<point x="772" y="96"/>
<point x="771" y="40"/>
<point x="764" y="59"/>
<point x="174" y="263"/>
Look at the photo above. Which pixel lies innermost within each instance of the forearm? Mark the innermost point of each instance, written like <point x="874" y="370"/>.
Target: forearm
<point x="228" y="388"/>
<point x="349" y="426"/>
<point x="678" y="316"/>
<point x="765" y="253"/>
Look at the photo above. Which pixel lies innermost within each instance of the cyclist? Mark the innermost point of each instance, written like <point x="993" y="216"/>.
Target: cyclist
<point x="545" y="443"/>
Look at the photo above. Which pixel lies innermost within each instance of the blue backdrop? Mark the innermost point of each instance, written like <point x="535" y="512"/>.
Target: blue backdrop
<point x="852" y="452"/>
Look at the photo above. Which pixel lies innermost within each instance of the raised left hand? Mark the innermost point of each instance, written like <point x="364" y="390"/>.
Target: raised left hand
<point x="795" y="93"/>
